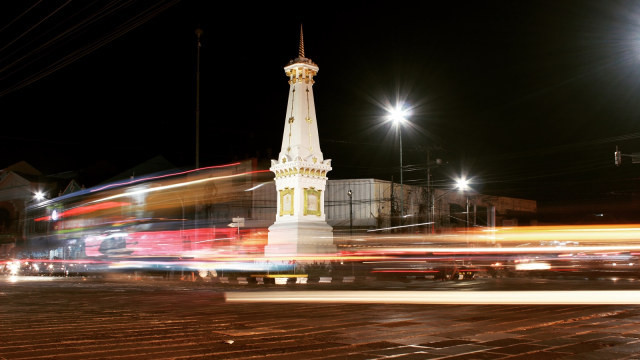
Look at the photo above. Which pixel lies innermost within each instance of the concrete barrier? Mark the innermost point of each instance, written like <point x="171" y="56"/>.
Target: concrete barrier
<point x="287" y="279"/>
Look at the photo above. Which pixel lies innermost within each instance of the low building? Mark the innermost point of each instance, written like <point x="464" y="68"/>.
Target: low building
<point x="19" y="183"/>
<point x="365" y="204"/>
<point x="357" y="205"/>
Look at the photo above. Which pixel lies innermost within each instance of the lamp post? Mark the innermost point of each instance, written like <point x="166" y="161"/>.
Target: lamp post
<point x="350" y="212"/>
<point x="462" y="184"/>
<point x="398" y="115"/>
<point x="401" y="172"/>
<point x="199" y="45"/>
<point x="467" y="212"/>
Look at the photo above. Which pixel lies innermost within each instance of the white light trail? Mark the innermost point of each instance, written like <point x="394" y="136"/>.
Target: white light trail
<point x="401" y="226"/>
<point x="579" y="297"/>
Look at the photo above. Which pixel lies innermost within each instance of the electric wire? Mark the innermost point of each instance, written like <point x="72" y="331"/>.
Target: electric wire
<point x="20" y="16"/>
<point x="71" y="57"/>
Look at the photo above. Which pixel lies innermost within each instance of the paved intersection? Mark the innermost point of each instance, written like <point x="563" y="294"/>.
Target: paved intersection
<point x="107" y="319"/>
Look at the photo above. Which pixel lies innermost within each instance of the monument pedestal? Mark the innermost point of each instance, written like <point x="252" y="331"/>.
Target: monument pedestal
<point x="300" y="239"/>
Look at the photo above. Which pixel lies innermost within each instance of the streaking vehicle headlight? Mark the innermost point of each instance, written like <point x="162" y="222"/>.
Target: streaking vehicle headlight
<point x="14" y="267"/>
<point x="533" y="266"/>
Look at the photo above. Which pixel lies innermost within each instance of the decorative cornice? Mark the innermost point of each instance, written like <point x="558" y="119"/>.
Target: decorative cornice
<point x="300" y="60"/>
<point x="300" y="171"/>
<point x="301" y="74"/>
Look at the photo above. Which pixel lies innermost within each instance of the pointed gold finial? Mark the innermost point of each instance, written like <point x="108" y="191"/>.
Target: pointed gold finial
<point x="301" y="59"/>
<point x="301" y="47"/>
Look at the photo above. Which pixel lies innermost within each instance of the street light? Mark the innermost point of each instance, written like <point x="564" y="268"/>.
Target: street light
<point x="461" y="185"/>
<point x="199" y="45"/>
<point x="39" y="195"/>
<point x="350" y="212"/>
<point x="398" y="116"/>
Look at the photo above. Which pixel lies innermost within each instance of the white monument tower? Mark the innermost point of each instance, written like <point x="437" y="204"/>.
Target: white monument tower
<point x="300" y="171"/>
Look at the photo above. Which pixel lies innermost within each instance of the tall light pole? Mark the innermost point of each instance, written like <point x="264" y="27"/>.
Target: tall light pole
<point x="398" y="115"/>
<point x="350" y="193"/>
<point x="463" y="185"/>
<point x="199" y="45"/>
<point x="401" y="172"/>
<point x="467" y="212"/>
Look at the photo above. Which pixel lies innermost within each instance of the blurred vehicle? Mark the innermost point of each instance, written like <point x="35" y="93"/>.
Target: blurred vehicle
<point x="161" y="222"/>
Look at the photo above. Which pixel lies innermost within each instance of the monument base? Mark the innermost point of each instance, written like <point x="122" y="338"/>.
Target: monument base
<point x="300" y="239"/>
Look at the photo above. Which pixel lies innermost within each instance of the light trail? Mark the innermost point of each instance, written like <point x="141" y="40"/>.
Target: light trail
<point x="500" y="250"/>
<point x="135" y="181"/>
<point x="176" y="185"/>
<point x="579" y="297"/>
<point x="400" y="226"/>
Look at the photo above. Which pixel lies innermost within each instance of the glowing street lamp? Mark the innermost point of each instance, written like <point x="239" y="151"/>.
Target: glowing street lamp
<point x="199" y="45"/>
<point x="398" y="116"/>
<point x="38" y="196"/>
<point x="350" y="194"/>
<point x="463" y="184"/>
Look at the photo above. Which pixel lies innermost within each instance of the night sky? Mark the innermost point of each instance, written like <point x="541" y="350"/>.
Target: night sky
<point x="527" y="98"/>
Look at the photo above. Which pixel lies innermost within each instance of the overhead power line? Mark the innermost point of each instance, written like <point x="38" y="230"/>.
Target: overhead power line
<point x="20" y="16"/>
<point x="71" y="57"/>
<point x="35" y="26"/>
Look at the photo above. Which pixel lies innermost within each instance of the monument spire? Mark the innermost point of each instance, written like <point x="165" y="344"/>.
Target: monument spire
<point x="301" y="46"/>
<point x="300" y="170"/>
<point x="300" y="137"/>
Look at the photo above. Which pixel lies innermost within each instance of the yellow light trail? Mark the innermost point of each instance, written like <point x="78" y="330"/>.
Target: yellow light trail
<point x="579" y="297"/>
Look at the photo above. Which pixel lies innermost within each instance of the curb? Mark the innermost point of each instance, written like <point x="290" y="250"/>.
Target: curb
<point x="265" y="280"/>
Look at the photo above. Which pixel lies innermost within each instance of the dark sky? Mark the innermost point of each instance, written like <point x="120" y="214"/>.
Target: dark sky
<point x="527" y="98"/>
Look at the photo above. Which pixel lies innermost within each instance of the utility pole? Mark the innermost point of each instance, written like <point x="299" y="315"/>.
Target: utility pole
<point x="401" y="171"/>
<point x="431" y="192"/>
<point x="199" y="45"/>
<point x="429" y="195"/>
<point x="196" y="205"/>
<point x="350" y="193"/>
<point x="467" y="212"/>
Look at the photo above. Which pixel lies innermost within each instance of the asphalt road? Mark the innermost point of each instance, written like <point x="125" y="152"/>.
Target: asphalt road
<point x="128" y="318"/>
